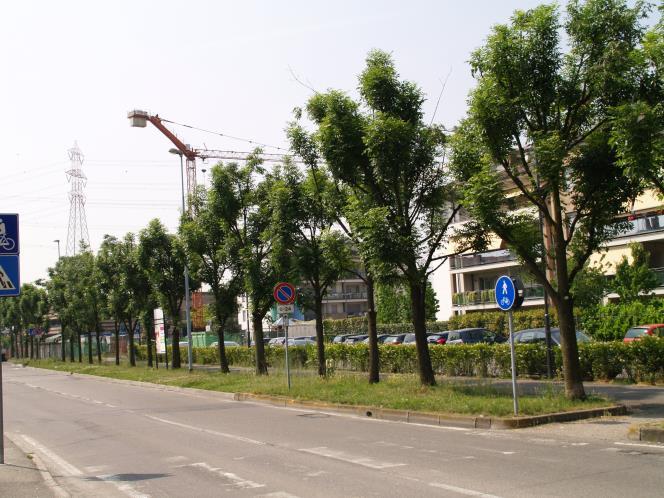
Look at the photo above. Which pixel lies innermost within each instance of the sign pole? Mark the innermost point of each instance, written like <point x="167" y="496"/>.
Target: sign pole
<point x="2" y="421"/>
<point x="515" y="395"/>
<point x="285" y="317"/>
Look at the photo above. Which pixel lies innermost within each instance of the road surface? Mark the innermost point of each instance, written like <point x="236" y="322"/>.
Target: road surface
<point x="99" y="437"/>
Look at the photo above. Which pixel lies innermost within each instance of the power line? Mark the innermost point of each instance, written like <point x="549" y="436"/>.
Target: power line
<point x="224" y="135"/>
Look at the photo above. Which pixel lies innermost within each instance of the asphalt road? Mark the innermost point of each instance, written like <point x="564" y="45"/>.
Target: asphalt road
<point x="98" y="437"/>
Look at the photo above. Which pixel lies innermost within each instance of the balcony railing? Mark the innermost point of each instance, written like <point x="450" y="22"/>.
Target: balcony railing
<point x="344" y="296"/>
<point x="488" y="296"/>
<point x="484" y="258"/>
<point x="646" y="224"/>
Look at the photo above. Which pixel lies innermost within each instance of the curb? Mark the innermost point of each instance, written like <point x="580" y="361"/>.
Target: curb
<point x="426" y="418"/>
<point x="651" y="434"/>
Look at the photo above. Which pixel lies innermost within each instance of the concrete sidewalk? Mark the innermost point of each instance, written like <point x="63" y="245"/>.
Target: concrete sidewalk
<point x="20" y="477"/>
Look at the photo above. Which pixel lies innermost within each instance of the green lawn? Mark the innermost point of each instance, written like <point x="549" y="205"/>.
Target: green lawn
<point x="398" y="391"/>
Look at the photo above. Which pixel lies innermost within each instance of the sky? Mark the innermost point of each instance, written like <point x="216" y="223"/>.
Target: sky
<point x="72" y="70"/>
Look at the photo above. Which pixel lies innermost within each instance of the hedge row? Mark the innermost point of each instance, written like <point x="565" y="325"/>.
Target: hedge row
<point x="641" y="361"/>
<point x="358" y="325"/>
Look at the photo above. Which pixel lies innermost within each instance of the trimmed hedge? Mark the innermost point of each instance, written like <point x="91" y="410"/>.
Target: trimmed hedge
<point x="640" y="361"/>
<point x="358" y="325"/>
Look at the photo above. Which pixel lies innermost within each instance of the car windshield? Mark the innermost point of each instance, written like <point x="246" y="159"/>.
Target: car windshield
<point x="580" y="336"/>
<point x="636" y="332"/>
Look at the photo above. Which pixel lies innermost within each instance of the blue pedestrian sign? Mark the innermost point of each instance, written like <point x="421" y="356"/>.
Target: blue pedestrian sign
<point x="509" y="293"/>
<point x="10" y="281"/>
<point x="10" y="266"/>
<point x="9" y="243"/>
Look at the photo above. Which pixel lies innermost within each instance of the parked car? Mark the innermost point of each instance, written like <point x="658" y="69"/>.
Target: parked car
<point x="538" y="335"/>
<point x="637" y="333"/>
<point x="300" y="341"/>
<point x="227" y="344"/>
<point x="471" y="336"/>
<point x="338" y="339"/>
<point x="394" y="339"/>
<point x="277" y="341"/>
<point x="438" y="338"/>
<point x="409" y="339"/>
<point x="353" y="339"/>
<point x="380" y="337"/>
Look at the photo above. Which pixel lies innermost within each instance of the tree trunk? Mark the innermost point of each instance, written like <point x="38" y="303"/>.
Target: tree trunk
<point x="71" y="348"/>
<point x="568" y="345"/>
<point x="31" y="345"/>
<point x="148" y="338"/>
<point x="257" y="322"/>
<point x="63" y="350"/>
<point x="80" y="348"/>
<point x="12" y="345"/>
<point x="374" y="355"/>
<point x="175" y="341"/>
<point x="89" y="334"/>
<point x="320" y="337"/>
<point x="417" y="293"/>
<point x="132" y="353"/>
<point x="223" y="361"/>
<point x="97" y="334"/>
<point x="117" y="342"/>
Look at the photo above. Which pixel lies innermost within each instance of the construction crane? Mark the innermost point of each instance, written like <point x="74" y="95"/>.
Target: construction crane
<point x="139" y="119"/>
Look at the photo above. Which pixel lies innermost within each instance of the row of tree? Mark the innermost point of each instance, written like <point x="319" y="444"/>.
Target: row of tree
<point x="566" y="119"/>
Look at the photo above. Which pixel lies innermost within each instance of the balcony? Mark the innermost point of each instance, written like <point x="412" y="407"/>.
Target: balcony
<point x="643" y="225"/>
<point x="484" y="258"/>
<point x="344" y="296"/>
<point x="488" y="296"/>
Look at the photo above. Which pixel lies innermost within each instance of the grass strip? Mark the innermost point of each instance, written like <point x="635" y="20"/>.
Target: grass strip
<point x="402" y="392"/>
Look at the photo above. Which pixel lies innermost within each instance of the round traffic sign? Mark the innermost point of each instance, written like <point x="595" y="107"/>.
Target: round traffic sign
<point x="509" y="293"/>
<point x="284" y="293"/>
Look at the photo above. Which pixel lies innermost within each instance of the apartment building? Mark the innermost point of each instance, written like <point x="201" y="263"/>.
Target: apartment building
<point x="468" y="280"/>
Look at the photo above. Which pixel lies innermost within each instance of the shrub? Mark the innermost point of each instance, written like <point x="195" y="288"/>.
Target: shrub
<point x="611" y="321"/>
<point x="641" y="361"/>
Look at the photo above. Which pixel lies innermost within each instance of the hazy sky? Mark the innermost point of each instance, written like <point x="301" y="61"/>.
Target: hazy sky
<point x="72" y="70"/>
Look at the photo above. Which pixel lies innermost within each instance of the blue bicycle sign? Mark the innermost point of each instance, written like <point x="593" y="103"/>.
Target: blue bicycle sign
<point x="9" y="234"/>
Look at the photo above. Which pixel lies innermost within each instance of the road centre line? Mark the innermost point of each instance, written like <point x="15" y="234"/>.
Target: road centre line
<point x="324" y="451"/>
<point x="642" y="445"/>
<point x="235" y="480"/>
<point x="207" y="431"/>
<point x="462" y="491"/>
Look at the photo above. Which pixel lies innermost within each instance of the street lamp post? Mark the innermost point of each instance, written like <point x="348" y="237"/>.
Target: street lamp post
<point x="58" y="242"/>
<point x="187" y="303"/>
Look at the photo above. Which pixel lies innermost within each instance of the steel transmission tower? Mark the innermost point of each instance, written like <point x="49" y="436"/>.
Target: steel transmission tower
<point x="78" y="224"/>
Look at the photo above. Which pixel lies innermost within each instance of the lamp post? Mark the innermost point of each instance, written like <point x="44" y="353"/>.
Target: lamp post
<point x="58" y="242"/>
<point x="187" y="303"/>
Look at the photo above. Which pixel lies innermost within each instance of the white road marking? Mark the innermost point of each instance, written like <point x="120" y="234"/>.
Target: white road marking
<point x="345" y="457"/>
<point x="642" y="445"/>
<point x="461" y="491"/>
<point x="176" y="458"/>
<point x="71" y="471"/>
<point x="126" y="488"/>
<point x="95" y="468"/>
<point x="236" y="480"/>
<point x="207" y="431"/>
<point x="278" y="494"/>
<point x="43" y="470"/>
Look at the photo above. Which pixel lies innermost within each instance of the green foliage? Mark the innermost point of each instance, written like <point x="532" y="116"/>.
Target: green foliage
<point x="358" y="325"/>
<point x="611" y="321"/>
<point x="641" y="361"/>
<point x="393" y="303"/>
<point x="636" y="279"/>
<point x="163" y="257"/>
<point x="590" y="286"/>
